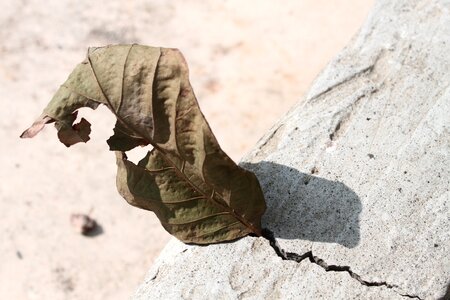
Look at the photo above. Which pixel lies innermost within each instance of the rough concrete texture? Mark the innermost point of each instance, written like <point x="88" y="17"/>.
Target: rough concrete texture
<point x="356" y="178"/>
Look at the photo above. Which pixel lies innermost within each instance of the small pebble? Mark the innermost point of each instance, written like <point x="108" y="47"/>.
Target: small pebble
<point x="83" y="223"/>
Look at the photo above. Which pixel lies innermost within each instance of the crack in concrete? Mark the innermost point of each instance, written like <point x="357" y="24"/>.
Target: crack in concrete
<point x="267" y="234"/>
<point x="155" y="275"/>
<point x="367" y="70"/>
<point x="345" y="117"/>
<point x="359" y="73"/>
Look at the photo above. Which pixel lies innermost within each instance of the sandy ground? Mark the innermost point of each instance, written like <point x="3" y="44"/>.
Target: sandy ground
<point x="249" y="61"/>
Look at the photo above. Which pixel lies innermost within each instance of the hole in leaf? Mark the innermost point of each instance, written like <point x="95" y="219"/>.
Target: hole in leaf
<point x="101" y="129"/>
<point x="137" y="153"/>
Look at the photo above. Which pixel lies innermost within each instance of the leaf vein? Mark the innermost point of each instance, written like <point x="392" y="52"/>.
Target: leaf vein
<point x="199" y="219"/>
<point x="184" y="200"/>
<point x="184" y="114"/>
<point x="80" y="94"/>
<point x="123" y="78"/>
<point x="218" y="229"/>
<point x="99" y="85"/>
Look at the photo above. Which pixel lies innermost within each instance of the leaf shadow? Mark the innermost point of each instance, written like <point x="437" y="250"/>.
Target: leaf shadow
<point x="96" y="231"/>
<point x="307" y="207"/>
<point x="447" y="293"/>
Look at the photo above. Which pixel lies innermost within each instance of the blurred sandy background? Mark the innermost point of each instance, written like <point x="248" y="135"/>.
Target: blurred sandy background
<point x="249" y="60"/>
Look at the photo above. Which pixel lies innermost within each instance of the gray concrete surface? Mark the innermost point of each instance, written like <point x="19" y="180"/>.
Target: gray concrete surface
<point x="356" y="178"/>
